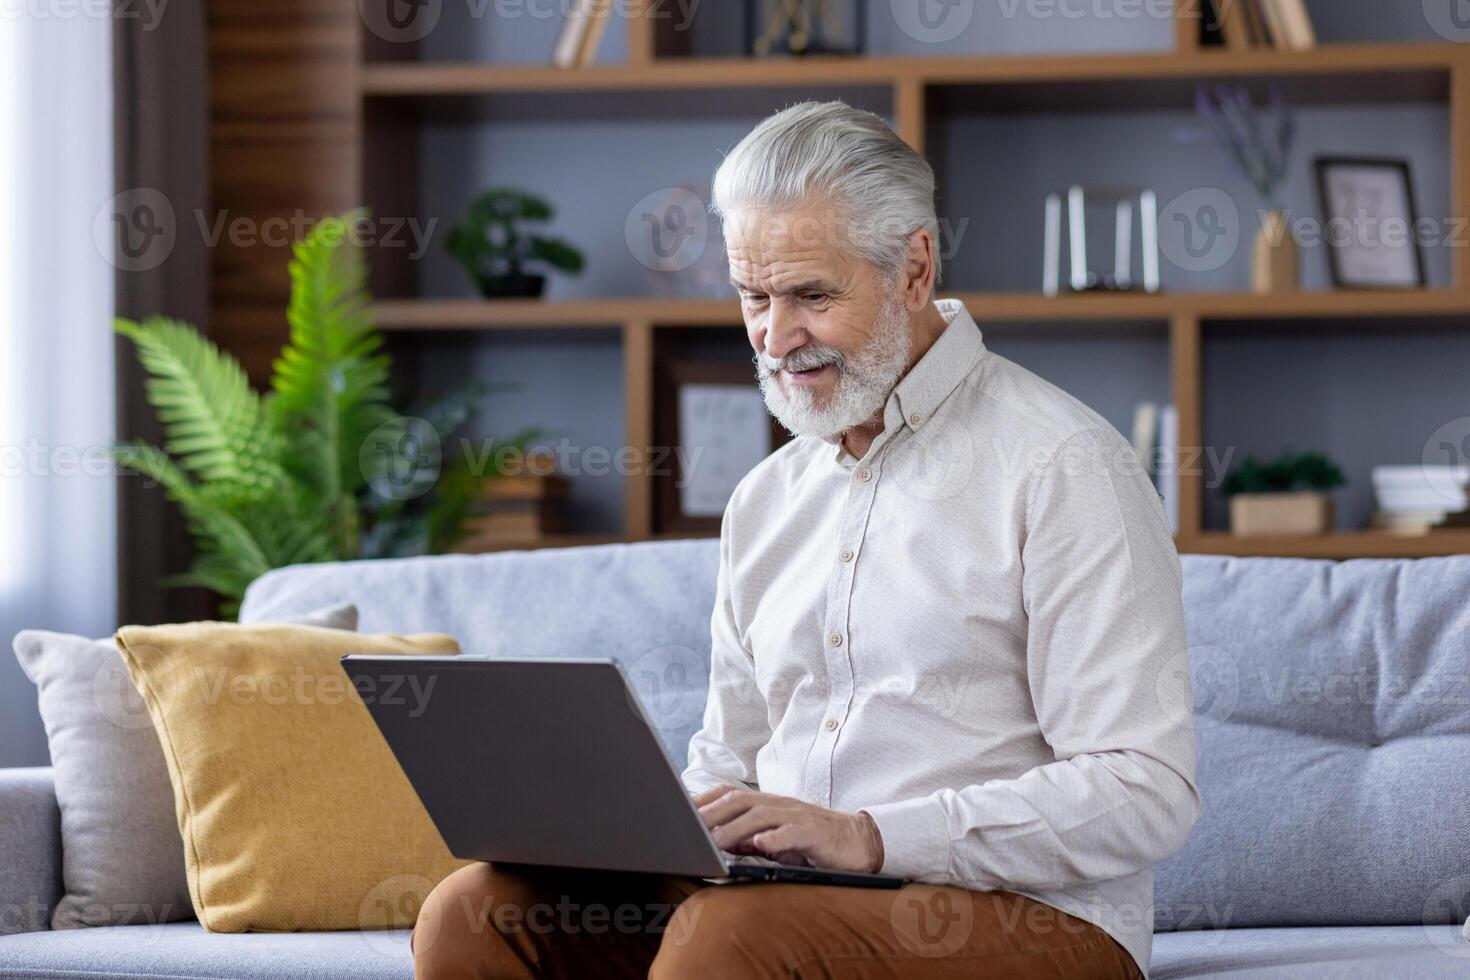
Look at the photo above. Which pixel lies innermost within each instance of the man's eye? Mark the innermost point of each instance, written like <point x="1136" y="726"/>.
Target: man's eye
<point x="814" y="297"/>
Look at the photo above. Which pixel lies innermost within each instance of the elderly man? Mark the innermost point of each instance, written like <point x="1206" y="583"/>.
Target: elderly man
<point x="948" y="639"/>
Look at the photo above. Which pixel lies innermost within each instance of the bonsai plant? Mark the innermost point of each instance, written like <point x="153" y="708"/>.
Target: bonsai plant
<point x="496" y="250"/>
<point x="1288" y="495"/>
<point x="322" y="467"/>
<point x="1258" y="143"/>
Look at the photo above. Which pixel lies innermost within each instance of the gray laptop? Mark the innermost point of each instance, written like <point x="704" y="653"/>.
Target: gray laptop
<point x="549" y="762"/>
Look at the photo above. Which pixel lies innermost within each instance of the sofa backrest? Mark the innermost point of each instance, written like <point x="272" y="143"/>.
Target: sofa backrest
<point x="645" y="605"/>
<point x="1333" y="716"/>
<point x="1332" y="704"/>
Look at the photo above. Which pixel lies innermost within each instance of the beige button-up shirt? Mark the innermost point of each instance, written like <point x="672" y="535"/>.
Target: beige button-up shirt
<point x="974" y="633"/>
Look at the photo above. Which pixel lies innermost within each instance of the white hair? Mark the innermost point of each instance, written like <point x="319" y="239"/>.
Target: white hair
<point x="816" y="152"/>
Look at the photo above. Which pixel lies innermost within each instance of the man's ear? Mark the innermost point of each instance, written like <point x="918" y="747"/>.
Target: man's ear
<point x="917" y="284"/>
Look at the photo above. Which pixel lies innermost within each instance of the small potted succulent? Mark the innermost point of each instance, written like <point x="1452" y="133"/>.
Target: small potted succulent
<point x="1288" y="495"/>
<point x="497" y="250"/>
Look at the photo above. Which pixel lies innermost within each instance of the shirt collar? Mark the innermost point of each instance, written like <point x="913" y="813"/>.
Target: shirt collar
<point x="939" y="372"/>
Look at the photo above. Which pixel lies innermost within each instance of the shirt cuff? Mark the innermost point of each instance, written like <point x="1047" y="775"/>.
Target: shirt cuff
<point x="915" y="838"/>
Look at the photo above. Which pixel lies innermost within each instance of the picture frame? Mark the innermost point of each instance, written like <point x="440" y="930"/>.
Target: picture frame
<point x="711" y="413"/>
<point x="1369" y="193"/>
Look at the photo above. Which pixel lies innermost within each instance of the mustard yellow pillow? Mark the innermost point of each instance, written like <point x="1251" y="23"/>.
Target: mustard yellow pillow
<point x="294" y="814"/>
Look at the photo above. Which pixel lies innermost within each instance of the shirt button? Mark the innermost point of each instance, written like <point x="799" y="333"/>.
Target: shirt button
<point x="865" y="474"/>
<point x="830" y="724"/>
<point x="915" y="419"/>
<point x="846" y="555"/>
<point x="835" y="639"/>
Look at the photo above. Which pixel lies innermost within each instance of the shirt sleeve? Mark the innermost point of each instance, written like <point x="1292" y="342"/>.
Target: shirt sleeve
<point x="723" y="752"/>
<point x="1109" y="678"/>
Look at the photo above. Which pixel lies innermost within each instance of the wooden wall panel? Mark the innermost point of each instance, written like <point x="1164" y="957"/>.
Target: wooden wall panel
<point x="285" y="141"/>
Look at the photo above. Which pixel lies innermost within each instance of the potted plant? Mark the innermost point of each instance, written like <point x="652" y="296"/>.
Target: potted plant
<point x="321" y="467"/>
<point x="496" y="249"/>
<point x="1258" y="143"/>
<point x="1288" y="495"/>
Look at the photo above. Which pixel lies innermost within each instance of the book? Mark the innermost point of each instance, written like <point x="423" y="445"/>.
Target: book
<point x="1234" y="23"/>
<point x="570" y="42"/>
<point x="1275" y="24"/>
<point x="599" y="13"/>
<point x="1296" y="24"/>
<point x="1255" y="18"/>
<point x="1168" y="464"/>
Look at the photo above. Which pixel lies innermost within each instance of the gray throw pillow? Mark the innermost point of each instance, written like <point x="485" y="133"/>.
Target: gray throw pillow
<point x="122" y="858"/>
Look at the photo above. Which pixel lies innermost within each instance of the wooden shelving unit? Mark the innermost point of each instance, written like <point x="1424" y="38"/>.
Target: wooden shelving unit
<point x="394" y="94"/>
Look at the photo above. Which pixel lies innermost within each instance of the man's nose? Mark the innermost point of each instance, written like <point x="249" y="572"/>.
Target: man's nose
<point x="784" y="331"/>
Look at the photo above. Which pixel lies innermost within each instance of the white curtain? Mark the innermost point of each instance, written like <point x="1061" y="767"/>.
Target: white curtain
<point x="57" y="503"/>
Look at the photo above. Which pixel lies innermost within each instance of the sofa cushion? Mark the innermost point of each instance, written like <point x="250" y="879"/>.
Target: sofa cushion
<point x="1333" y="720"/>
<point x="646" y="605"/>
<point x="175" y="951"/>
<point x="1348" y="953"/>
<point x="122" y="859"/>
<point x="293" y="811"/>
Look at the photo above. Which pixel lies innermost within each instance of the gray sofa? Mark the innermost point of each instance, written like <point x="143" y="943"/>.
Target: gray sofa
<point x="1334" y="757"/>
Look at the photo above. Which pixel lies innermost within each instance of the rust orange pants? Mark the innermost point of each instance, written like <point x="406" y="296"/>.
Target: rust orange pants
<point x="498" y="922"/>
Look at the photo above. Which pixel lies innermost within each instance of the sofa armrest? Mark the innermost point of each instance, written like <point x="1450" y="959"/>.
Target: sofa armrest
<point x="30" y="850"/>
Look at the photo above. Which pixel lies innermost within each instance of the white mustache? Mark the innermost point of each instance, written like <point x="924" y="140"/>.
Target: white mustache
<point x="807" y="358"/>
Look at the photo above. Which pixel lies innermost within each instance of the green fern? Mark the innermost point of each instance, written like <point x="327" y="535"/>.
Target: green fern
<point x="265" y="482"/>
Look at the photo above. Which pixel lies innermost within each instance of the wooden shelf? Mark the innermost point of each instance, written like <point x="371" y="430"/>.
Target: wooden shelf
<point x="472" y="314"/>
<point x="1424" y="65"/>
<point x="1340" y="545"/>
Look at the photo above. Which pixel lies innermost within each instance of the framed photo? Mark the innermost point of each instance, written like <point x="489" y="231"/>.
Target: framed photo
<point x="1370" y="223"/>
<point x="711" y="417"/>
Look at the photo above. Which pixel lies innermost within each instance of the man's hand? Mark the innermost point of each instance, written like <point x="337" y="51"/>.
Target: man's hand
<point x="744" y="821"/>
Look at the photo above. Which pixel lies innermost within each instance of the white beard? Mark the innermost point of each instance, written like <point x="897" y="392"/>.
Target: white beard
<point x="864" y="380"/>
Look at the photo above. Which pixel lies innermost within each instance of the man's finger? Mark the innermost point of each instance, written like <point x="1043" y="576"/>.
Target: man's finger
<point x="781" y="842"/>
<point x="710" y="795"/>
<point x="729" y="806"/>
<point x="748" y="824"/>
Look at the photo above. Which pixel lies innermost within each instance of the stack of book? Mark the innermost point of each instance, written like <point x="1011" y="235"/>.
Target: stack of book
<point x="1419" y="499"/>
<point x="1239" y="24"/>
<point x="517" y="510"/>
<point x="581" y="33"/>
<point x="1156" y="441"/>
